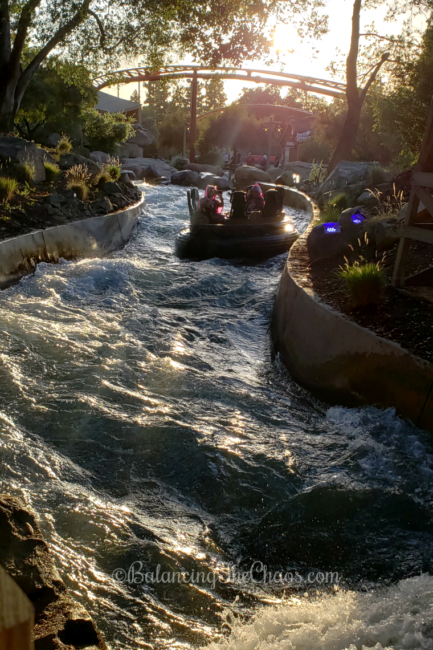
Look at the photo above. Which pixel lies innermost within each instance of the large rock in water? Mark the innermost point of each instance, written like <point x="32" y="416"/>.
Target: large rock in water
<point x="246" y="175"/>
<point x="161" y="166"/>
<point x="186" y="178"/>
<point x="221" y="182"/>
<point x="69" y="160"/>
<point x="60" y="622"/>
<point x="365" y="174"/>
<point x="130" y="150"/>
<point x="17" y="150"/>
<point x="142" y="137"/>
<point x="210" y="169"/>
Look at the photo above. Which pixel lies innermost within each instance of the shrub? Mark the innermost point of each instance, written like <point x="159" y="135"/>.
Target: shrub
<point x="211" y="158"/>
<point x="378" y="175"/>
<point x="64" y="145"/>
<point x="102" y="178"/>
<point x="179" y="162"/>
<point x="340" y="201"/>
<point x="317" y="173"/>
<point x="329" y="213"/>
<point x="24" y="172"/>
<point x="79" y="187"/>
<point x="77" y="178"/>
<point x="8" y="187"/>
<point x="365" y="282"/>
<point x="104" y="131"/>
<point x="113" y="168"/>
<point x="52" y="172"/>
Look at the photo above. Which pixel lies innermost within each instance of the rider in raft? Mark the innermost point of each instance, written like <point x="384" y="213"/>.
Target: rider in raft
<point x="212" y="204"/>
<point x="255" y="200"/>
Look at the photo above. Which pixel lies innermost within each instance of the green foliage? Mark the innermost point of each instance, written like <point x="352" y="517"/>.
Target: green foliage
<point x="8" y="187"/>
<point x="234" y="128"/>
<point x="52" y="172"/>
<point x="310" y="150"/>
<point x="341" y="202"/>
<point x="317" y="173"/>
<point x="64" y="145"/>
<point x="329" y="214"/>
<point x="171" y="131"/>
<point x="23" y="172"/>
<point x="104" y="131"/>
<point x="78" y="174"/>
<point x="79" y="187"/>
<point x="53" y="102"/>
<point x="365" y="282"/>
<point x="179" y="162"/>
<point x="378" y="175"/>
<point x="113" y="168"/>
<point x="211" y="158"/>
<point x="149" y="123"/>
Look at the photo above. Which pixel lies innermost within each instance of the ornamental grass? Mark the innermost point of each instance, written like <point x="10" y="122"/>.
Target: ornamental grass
<point x="365" y="282"/>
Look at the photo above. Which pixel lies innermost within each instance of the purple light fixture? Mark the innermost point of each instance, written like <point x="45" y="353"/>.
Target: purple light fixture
<point x="331" y="228"/>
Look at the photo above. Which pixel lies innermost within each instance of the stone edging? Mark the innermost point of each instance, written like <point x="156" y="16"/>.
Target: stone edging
<point x="92" y="237"/>
<point x="342" y="362"/>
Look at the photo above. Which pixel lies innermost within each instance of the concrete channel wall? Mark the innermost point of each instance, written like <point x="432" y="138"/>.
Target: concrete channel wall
<point x="93" y="237"/>
<point x="342" y="362"/>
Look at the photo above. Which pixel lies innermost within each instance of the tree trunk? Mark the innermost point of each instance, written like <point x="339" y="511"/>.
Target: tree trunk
<point x="343" y="150"/>
<point x="8" y="106"/>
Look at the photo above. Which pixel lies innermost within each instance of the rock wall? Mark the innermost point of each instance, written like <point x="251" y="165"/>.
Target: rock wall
<point x="60" y="622"/>
<point x="86" y="238"/>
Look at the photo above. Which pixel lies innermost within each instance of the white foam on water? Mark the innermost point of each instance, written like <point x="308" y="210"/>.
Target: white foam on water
<point x="399" y="618"/>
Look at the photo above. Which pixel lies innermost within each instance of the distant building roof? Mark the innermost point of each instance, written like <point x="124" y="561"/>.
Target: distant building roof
<point x="112" y="104"/>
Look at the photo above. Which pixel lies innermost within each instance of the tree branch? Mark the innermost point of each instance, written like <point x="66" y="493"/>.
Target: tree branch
<point x="384" y="38"/>
<point x="100" y="26"/>
<point x="61" y="33"/>
<point x="373" y="75"/>
<point x="5" y="33"/>
<point x="21" y="34"/>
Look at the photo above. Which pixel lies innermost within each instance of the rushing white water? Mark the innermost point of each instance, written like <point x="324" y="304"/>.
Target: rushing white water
<point x="143" y="418"/>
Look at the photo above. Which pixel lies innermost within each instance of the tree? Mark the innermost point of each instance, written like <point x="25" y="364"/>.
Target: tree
<point x="55" y="98"/>
<point x="355" y="95"/>
<point x="102" y="33"/>
<point x="135" y="97"/>
<point x="104" y="131"/>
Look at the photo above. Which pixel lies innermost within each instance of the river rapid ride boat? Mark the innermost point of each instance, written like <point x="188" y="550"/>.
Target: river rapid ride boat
<point x="259" y="235"/>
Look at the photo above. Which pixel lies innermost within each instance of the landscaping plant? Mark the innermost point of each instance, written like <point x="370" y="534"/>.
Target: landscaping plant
<point x="77" y="180"/>
<point x="64" y="145"/>
<point x="317" y="173"/>
<point x="52" y="172"/>
<point x="8" y="187"/>
<point x="113" y="168"/>
<point x="365" y="282"/>
<point x="23" y="172"/>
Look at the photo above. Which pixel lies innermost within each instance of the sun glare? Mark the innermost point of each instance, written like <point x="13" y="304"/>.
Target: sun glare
<point x="283" y="38"/>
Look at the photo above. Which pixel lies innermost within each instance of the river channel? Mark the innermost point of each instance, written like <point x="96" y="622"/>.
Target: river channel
<point x="145" y="419"/>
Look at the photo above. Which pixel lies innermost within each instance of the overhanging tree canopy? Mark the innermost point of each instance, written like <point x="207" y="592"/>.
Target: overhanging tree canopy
<point x="98" y="32"/>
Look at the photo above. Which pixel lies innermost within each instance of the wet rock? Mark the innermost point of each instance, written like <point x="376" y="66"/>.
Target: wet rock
<point x="68" y="160"/>
<point x="221" y="182"/>
<point x="59" y="621"/>
<point x="186" y="178"/>
<point x="209" y="169"/>
<point x="131" y="175"/>
<point x="124" y="178"/>
<point x="286" y="178"/>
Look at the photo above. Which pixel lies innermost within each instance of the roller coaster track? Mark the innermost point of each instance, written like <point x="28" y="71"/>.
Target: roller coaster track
<point x="308" y="84"/>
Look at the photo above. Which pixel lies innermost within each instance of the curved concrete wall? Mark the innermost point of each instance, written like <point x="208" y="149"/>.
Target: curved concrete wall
<point x="93" y="237"/>
<point x="342" y="362"/>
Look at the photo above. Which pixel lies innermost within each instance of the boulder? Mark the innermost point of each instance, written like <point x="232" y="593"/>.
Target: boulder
<point x="387" y="233"/>
<point x="185" y="178"/>
<point x="60" y="622"/>
<point x="124" y="178"/>
<point x="68" y="160"/>
<point x="302" y="169"/>
<point x="210" y="169"/>
<point x="112" y="188"/>
<point x="55" y="200"/>
<point x="143" y="138"/>
<point x="246" y="175"/>
<point x="82" y="151"/>
<point x="274" y="172"/>
<point x="127" y="150"/>
<point x="286" y="178"/>
<point x="131" y="175"/>
<point x="221" y="182"/>
<point x="102" y="206"/>
<point x="54" y="139"/>
<point x="351" y="231"/>
<point x="367" y="199"/>
<point x="99" y="157"/>
<point x="367" y="174"/>
<point x="17" y="150"/>
<point x="325" y="245"/>
<point x="350" y="191"/>
<point x="161" y="166"/>
<point x="150" y="173"/>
